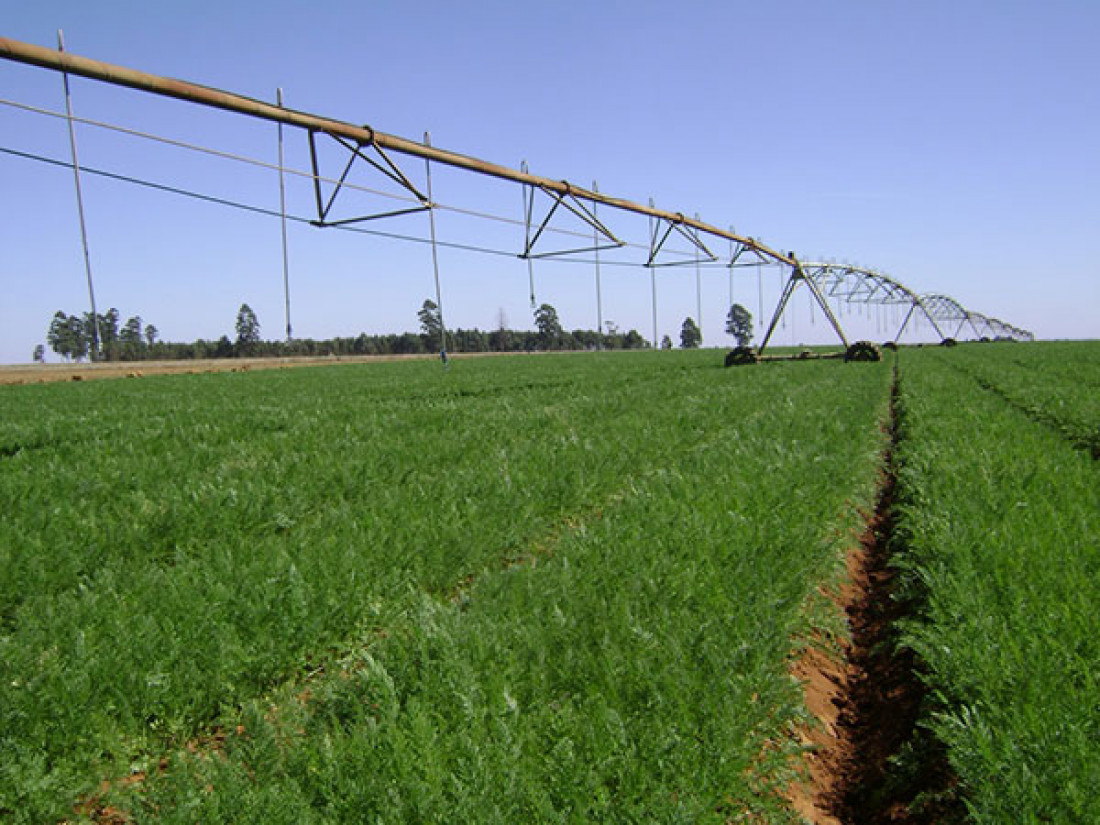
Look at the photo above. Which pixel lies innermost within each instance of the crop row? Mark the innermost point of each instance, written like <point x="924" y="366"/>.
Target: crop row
<point x="1000" y="521"/>
<point x="1057" y="383"/>
<point x="553" y="587"/>
<point x="635" y="671"/>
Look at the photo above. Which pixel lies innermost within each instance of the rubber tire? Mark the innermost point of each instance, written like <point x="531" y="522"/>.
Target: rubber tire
<point x="741" y="355"/>
<point x="863" y="351"/>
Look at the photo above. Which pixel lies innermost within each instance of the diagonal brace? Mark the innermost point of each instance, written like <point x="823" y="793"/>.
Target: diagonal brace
<point x="386" y="166"/>
<point x="572" y="204"/>
<point x="675" y="224"/>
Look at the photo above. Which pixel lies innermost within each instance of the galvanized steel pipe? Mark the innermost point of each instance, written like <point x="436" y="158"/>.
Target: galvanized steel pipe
<point x="207" y="96"/>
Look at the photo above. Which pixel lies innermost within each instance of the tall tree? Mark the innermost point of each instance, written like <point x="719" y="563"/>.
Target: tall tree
<point x="739" y="324"/>
<point x="132" y="344"/>
<point x="666" y="343"/>
<point x="248" y="330"/>
<point x="39" y="354"/>
<point x="150" y="334"/>
<point x="57" y="335"/>
<point x="690" y="335"/>
<point x="109" y="335"/>
<point x="109" y="325"/>
<point x="79" y="337"/>
<point x="431" y="324"/>
<point x="93" y="327"/>
<point x="131" y="331"/>
<point x="68" y="335"/>
<point x="548" y="325"/>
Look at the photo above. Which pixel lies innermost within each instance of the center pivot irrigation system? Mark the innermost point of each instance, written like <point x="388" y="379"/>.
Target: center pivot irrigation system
<point x="543" y="200"/>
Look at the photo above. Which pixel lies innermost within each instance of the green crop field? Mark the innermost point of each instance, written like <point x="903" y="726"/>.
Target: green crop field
<point x="543" y="588"/>
<point x="1001" y="537"/>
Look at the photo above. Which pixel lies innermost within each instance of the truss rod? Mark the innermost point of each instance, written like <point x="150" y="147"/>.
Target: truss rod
<point x="194" y="147"/>
<point x="80" y="204"/>
<point x="259" y="210"/>
<point x="216" y="98"/>
<point x="282" y="211"/>
<point x="358" y="187"/>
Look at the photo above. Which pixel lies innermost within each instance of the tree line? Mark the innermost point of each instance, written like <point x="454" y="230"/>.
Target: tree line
<point x="104" y="338"/>
<point x="76" y="337"/>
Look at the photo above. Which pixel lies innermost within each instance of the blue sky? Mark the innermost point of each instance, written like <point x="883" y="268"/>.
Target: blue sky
<point x="952" y="145"/>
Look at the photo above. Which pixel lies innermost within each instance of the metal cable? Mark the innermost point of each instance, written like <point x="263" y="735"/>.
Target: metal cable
<point x="458" y="210"/>
<point x="288" y="170"/>
<point x="259" y="210"/>
<point x="194" y="147"/>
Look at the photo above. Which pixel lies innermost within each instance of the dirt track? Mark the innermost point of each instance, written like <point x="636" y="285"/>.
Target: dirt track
<point x="43" y="373"/>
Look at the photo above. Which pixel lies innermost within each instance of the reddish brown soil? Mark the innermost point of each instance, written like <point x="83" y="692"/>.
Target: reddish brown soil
<point x="43" y="373"/>
<point x="95" y="809"/>
<point x="866" y="698"/>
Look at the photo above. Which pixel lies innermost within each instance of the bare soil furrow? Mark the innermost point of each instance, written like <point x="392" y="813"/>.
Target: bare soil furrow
<point x="869" y="763"/>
